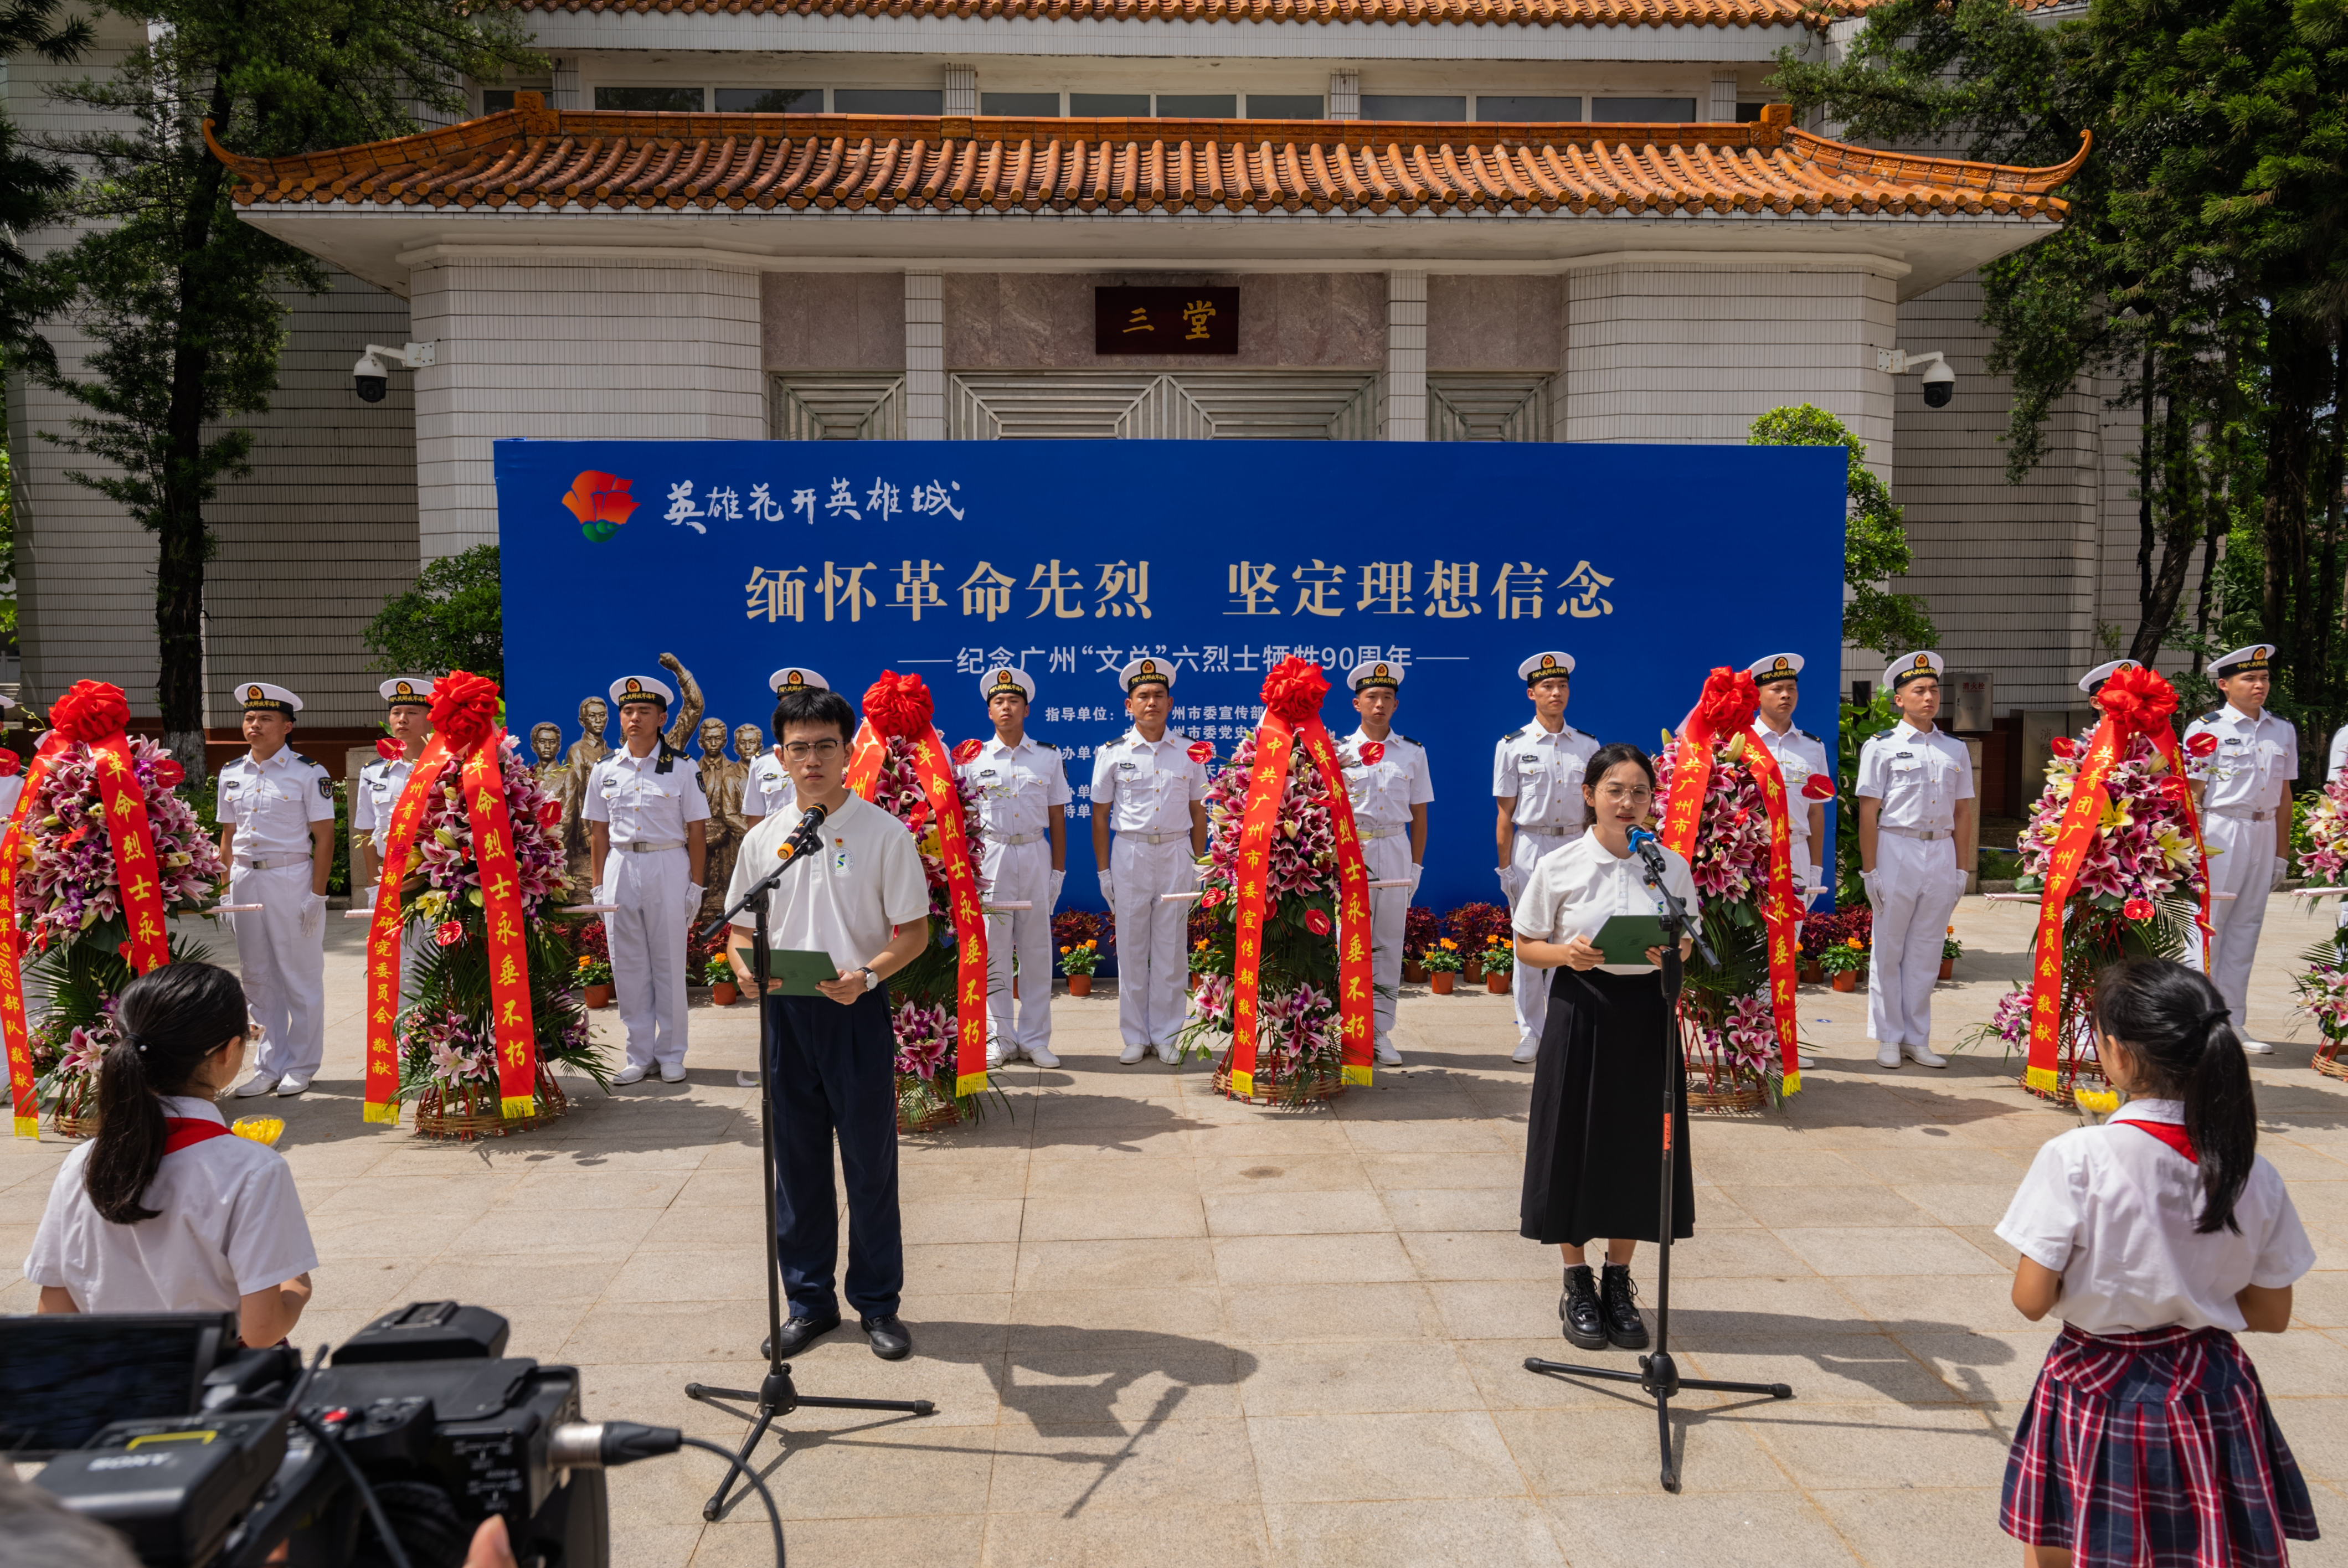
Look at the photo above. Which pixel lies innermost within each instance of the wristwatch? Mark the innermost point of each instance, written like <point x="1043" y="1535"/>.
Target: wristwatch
<point x="871" y="979"/>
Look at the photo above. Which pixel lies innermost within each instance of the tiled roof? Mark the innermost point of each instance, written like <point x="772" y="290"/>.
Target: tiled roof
<point x="1415" y="12"/>
<point x="531" y="157"/>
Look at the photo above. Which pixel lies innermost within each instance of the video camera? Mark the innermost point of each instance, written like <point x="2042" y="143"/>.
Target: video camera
<point x="200" y="1453"/>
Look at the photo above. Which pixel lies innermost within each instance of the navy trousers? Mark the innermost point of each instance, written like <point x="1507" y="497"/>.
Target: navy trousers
<point x="832" y="1071"/>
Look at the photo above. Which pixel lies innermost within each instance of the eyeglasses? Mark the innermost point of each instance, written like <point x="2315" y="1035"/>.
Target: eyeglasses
<point x="1618" y="792"/>
<point x="804" y="750"/>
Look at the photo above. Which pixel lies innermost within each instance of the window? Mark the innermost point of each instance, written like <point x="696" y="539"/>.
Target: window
<point x="770" y="100"/>
<point x="1109" y="105"/>
<point x="888" y="101"/>
<point x="1747" y="113"/>
<point x="1389" y="106"/>
<point x="1025" y="105"/>
<point x="1525" y="110"/>
<point x="496" y="100"/>
<point x="1642" y="111"/>
<point x="1283" y="105"/>
<point x="650" y="100"/>
<point x="1197" y="105"/>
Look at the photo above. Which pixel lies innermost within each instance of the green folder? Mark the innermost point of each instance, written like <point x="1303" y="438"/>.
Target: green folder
<point x="1626" y="937"/>
<point x="796" y="970"/>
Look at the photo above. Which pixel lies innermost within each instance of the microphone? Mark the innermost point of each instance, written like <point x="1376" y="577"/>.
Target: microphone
<point x="805" y="836"/>
<point x="1651" y="850"/>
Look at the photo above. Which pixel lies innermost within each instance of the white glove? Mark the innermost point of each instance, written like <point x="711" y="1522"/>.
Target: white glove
<point x="1057" y="879"/>
<point x="692" y="891"/>
<point x="600" y="894"/>
<point x="1197" y="875"/>
<point x="1108" y="891"/>
<point x="1417" y="871"/>
<point x="1508" y="874"/>
<point x="2281" y="870"/>
<point x="314" y="916"/>
<point x="1866" y="880"/>
<point x="367" y="898"/>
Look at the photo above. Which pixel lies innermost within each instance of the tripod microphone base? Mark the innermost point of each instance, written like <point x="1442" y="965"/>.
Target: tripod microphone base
<point x="777" y="1395"/>
<point x="1659" y="1376"/>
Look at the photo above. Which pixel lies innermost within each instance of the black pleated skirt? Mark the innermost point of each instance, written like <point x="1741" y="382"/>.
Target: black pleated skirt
<point x="1593" y="1152"/>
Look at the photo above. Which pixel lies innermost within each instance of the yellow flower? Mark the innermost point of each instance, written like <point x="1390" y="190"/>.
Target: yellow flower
<point x="2116" y="815"/>
<point x="2103" y="1101"/>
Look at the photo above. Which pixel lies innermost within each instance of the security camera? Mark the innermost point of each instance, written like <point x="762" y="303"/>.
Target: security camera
<point x="371" y="378"/>
<point x="1940" y="381"/>
<point x="1940" y="384"/>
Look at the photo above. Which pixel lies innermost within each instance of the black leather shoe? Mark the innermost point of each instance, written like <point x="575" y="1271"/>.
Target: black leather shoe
<point x="1585" y="1325"/>
<point x="890" y="1341"/>
<point x="798" y="1334"/>
<point x="1625" y="1329"/>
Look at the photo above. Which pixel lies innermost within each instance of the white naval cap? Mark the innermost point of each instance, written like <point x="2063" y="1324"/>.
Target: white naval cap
<point x="2243" y="661"/>
<point x="1543" y="665"/>
<point x="6" y="701"/>
<point x="410" y="691"/>
<point x="1142" y="672"/>
<point x="1774" y="667"/>
<point x="630" y="689"/>
<point x="2093" y="681"/>
<point x="1909" y="667"/>
<point x="796" y="678"/>
<point x="1374" y="672"/>
<point x="260" y="697"/>
<point x="1003" y="678"/>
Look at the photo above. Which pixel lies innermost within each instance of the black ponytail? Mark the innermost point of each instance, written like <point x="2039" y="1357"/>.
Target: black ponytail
<point x="169" y="1019"/>
<point x="2176" y="1025"/>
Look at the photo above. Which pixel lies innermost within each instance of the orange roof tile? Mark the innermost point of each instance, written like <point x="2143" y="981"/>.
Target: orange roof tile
<point x="533" y="156"/>
<point x="1456" y="12"/>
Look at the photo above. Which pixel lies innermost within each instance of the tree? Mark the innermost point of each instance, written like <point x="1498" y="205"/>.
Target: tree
<point x="32" y="189"/>
<point x="452" y="619"/>
<point x="1875" y="542"/>
<point x="185" y="303"/>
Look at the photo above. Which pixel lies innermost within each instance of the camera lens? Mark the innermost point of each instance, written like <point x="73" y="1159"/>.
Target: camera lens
<point x="1937" y="394"/>
<point x="371" y="388"/>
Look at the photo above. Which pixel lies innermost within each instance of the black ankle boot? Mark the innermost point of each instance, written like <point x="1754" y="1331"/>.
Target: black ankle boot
<point x="1585" y="1325"/>
<point x="1625" y="1329"/>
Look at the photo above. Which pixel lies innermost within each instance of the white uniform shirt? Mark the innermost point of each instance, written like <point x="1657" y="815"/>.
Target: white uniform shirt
<point x="2112" y="1210"/>
<point x="1575" y="889"/>
<point x="380" y="784"/>
<point x="10" y="788"/>
<point x="1384" y="791"/>
<point x="1019" y="786"/>
<point x="846" y="900"/>
<point x="641" y="803"/>
<point x="272" y="805"/>
<point x="1919" y="777"/>
<point x="2254" y="758"/>
<point x="767" y="788"/>
<point x="1147" y="787"/>
<point x="229" y="1223"/>
<point x="1544" y="772"/>
<point x="2331" y="765"/>
<point x="1799" y="754"/>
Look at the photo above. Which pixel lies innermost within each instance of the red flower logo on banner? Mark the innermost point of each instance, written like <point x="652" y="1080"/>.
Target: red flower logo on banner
<point x="600" y="502"/>
<point x="2202" y="744"/>
<point x="1202" y="752"/>
<point x="1317" y="921"/>
<point x="2138" y="909"/>
<point x="90" y="711"/>
<point x="1817" y="787"/>
<point x="899" y="704"/>
<point x="464" y="709"/>
<point x="389" y="750"/>
<point x="1294" y="689"/>
<point x="448" y="932"/>
<point x="1373" y="753"/>
<point x="2064" y="746"/>
<point x="967" y="750"/>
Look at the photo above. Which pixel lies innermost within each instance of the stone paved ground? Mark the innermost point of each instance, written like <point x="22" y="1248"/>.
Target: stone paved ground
<point x="1163" y="1329"/>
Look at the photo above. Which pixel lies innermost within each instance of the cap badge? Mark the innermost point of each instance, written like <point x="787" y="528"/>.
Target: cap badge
<point x="405" y="690"/>
<point x="1781" y="663"/>
<point x="795" y="678"/>
<point x="1380" y="672"/>
<point x="1923" y="661"/>
<point x="1149" y="667"/>
<point x="253" y="693"/>
<point x="634" y="684"/>
<point x="1549" y="662"/>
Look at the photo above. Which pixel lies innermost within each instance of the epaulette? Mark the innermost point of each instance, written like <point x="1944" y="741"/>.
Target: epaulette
<point x="1513" y="734"/>
<point x="668" y="758"/>
<point x="303" y="760"/>
<point x="1885" y="734"/>
<point x="1808" y="736"/>
<point x="1048" y="746"/>
<point x="2210" y="717"/>
<point x="1405" y="740"/>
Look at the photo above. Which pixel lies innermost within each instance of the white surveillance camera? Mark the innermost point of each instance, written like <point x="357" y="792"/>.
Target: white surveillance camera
<point x="1940" y="381"/>
<point x="371" y="377"/>
<point x="1940" y="384"/>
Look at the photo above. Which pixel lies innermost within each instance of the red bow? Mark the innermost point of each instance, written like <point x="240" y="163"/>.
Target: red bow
<point x="2139" y="701"/>
<point x="389" y="750"/>
<point x="899" y="704"/>
<point x="1728" y="702"/>
<point x="967" y="750"/>
<point x="1294" y="689"/>
<point x="1817" y="787"/>
<point x="464" y="709"/>
<point x="1202" y="752"/>
<point x="90" y="711"/>
<point x="1373" y="753"/>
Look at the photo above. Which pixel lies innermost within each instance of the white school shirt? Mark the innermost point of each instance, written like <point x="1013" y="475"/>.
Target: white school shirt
<point x="641" y="803"/>
<point x="2254" y="758"/>
<point x="379" y="786"/>
<point x="1019" y="786"/>
<point x="1799" y="754"/>
<point x="229" y="1223"/>
<point x="272" y="805"/>
<point x="1147" y="787"/>
<point x="2112" y="1210"/>
<point x="1919" y="777"/>
<point x="1577" y="887"/>
<point x="1384" y="791"/>
<point x="847" y="898"/>
<point x="767" y="788"/>
<point x="1544" y="772"/>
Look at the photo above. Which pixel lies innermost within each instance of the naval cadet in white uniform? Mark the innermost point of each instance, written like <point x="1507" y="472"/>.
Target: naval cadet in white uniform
<point x="276" y="812"/>
<point x="1145" y="787"/>
<point x="2244" y="788"/>
<point x="768" y="787"/>
<point x="1801" y="755"/>
<point x="381" y="782"/>
<point x="646" y="818"/>
<point x="1536" y="775"/>
<point x="1915" y="800"/>
<point x="1022" y="795"/>
<point x="1390" y="799"/>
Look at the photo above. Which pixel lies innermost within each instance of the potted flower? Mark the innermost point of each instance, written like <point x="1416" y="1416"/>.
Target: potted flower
<point x="1950" y="951"/>
<point x="1421" y="928"/>
<point x="1843" y="961"/>
<point x="595" y="975"/>
<point x="722" y="989"/>
<point x="1499" y="961"/>
<point x="1443" y="965"/>
<point x="1077" y="962"/>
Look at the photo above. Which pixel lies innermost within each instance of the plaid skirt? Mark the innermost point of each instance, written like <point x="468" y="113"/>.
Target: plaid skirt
<point x="2153" y="1450"/>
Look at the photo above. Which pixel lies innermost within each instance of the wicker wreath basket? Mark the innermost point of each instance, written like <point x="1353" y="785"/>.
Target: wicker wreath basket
<point x="463" y="1118"/>
<point x="921" y="1109"/>
<point x="1739" y="1095"/>
<point x="75" y="1115"/>
<point x="2063" y="1092"/>
<point x="2327" y="1062"/>
<point x="1322" y="1084"/>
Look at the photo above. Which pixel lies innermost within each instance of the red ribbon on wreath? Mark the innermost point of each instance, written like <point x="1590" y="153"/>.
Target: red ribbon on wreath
<point x="382" y="1102"/>
<point x="23" y="1099"/>
<point x="93" y="713"/>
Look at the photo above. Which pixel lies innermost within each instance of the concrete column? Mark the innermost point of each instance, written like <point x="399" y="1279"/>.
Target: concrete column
<point x="1344" y="95"/>
<point x="1723" y="106"/>
<point x="926" y="358"/>
<point x="1405" y="392"/>
<point x="961" y="91"/>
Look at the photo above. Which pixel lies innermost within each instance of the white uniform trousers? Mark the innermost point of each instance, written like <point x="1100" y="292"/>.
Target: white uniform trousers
<point x="646" y="935"/>
<point x="1013" y="872"/>
<point x="284" y="972"/>
<point x="1532" y="1001"/>
<point x="1917" y="886"/>
<point x="2241" y="862"/>
<point x="1385" y="858"/>
<point x="1153" y="972"/>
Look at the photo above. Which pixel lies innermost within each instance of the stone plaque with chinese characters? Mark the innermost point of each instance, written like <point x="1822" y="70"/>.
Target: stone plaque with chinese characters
<point x="1166" y="321"/>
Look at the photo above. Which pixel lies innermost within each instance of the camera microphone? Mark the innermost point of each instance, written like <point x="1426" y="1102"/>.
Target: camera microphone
<point x="805" y="836"/>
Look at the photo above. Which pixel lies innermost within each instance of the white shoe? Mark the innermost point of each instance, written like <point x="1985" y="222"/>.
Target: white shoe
<point x="1388" y="1056"/>
<point x="2256" y="1047"/>
<point x="1133" y="1053"/>
<point x="632" y="1073"/>
<point x="745" y="1079"/>
<point x="1527" y="1050"/>
<point x="259" y="1083"/>
<point x="1923" y="1056"/>
<point x="996" y="1057"/>
<point x="292" y="1084"/>
<point x="1169" y="1053"/>
<point x="1039" y="1055"/>
<point x="1886" y="1054"/>
<point x="671" y="1072"/>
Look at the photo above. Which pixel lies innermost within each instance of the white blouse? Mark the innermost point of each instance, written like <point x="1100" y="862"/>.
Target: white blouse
<point x="2112" y="1209"/>
<point x="1576" y="889"/>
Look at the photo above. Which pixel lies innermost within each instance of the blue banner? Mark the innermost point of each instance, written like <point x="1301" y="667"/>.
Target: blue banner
<point x="1650" y="565"/>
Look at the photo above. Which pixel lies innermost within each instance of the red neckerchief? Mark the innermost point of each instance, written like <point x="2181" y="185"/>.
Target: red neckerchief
<point x="2168" y="1132"/>
<point x="179" y="1131"/>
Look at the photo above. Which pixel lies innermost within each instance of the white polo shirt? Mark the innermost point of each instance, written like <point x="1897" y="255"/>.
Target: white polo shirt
<point x="272" y="805"/>
<point x="2112" y="1210"/>
<point x="846" y="900"/>
<point x="1576" y="888"/>
<point x="230" y="1222"/>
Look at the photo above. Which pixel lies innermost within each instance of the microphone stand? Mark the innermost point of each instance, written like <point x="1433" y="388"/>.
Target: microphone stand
<point x="1658" y="1375"/>
<point x="776" y="1395"/>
